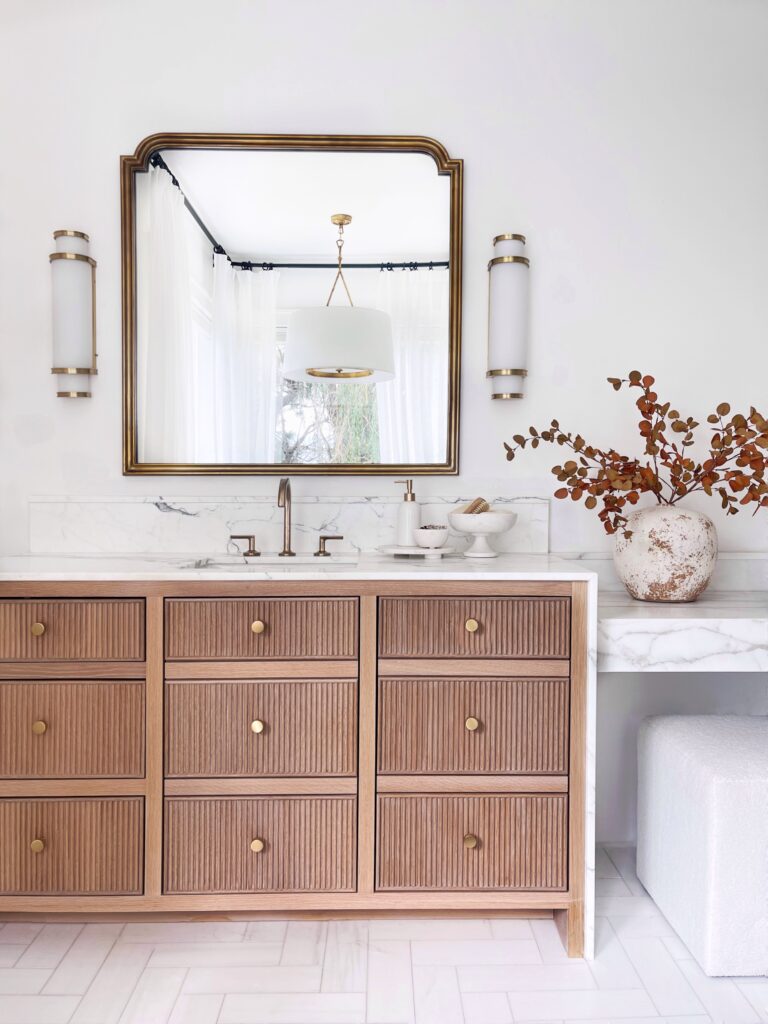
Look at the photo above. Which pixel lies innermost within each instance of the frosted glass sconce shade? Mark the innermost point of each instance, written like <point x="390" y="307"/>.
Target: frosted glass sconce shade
<point x="73" y="279"/>
<point x="508" y="317"/>
<point x="335" y="343"/>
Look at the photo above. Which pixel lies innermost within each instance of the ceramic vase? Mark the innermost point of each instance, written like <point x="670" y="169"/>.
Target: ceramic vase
<point x="670" y="556"/>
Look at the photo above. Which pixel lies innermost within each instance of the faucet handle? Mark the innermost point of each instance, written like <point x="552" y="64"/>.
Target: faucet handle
<point x="321" y="552"/>
<point x="251" y="551"/>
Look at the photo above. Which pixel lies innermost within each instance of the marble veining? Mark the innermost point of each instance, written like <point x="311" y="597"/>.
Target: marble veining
<point x="202" y="526"/>
<point x="721" y="632"/>
<point x="735" y="571"/>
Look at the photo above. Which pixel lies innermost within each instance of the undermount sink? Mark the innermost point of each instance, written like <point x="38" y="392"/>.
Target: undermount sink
<point x="241" y="563"/>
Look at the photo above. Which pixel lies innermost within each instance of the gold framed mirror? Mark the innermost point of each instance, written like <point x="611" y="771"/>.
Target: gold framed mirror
<point x="236" y="359"/>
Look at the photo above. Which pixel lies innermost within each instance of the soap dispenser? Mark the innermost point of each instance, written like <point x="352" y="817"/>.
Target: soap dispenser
<point x="408" y="517"/>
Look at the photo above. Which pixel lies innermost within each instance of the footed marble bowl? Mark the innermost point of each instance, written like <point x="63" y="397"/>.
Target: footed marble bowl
<point x="481" y="526"/>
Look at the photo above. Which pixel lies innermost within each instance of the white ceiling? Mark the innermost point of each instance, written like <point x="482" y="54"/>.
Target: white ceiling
<point x="264" y="205"/>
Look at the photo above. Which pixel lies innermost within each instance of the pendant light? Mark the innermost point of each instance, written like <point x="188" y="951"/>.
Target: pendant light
<point x="339" y="343"/>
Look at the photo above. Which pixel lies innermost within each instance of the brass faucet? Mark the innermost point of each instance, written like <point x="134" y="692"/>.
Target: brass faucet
<point x="284" y="502"/>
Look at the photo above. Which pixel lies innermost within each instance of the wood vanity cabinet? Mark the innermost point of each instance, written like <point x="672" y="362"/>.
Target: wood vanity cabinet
<point x="294" y="747"/>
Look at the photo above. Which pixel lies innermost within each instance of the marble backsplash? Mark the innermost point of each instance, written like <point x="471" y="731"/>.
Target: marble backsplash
<point x="202" y="526"/>
<point x="735" y="570"/>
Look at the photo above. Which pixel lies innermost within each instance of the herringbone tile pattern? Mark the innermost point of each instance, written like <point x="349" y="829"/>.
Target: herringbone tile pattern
<point x="407" y="971"/>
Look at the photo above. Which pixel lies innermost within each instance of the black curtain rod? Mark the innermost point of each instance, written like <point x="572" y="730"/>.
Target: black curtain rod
<point x="384" y="265"/>
<point x="157" y="161"/>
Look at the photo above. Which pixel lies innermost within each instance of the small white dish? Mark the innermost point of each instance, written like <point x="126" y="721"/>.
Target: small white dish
<point x="481" y="526"/>
<point x="427" y="538"/>
<point x="408" y="551"/>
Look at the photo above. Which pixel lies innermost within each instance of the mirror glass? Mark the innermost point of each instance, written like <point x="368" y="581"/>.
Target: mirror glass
<point x="232" y="247"/>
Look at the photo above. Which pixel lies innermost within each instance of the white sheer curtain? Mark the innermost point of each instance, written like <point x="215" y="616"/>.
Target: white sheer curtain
<point x="164" y="286"/>
<point x="413" y="407"/>
<point x="207" y="351"/>
<point x="236" y="374"/>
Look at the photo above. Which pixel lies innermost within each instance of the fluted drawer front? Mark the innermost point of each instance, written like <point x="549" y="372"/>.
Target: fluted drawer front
<point x="72" y="630"/>
<point x="71" y="846"/>
<point x="256" y="728"/>
<point x="455" y="726"/>
<point x="472" y="842"/>
<point x="307" y="844"/>
<point x="244" y="628"/>
<point x="467" y="627"/>
<point x="71" y="729"/>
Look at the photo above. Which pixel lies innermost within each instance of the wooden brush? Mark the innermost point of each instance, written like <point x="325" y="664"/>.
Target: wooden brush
<point x="476" y="506"/>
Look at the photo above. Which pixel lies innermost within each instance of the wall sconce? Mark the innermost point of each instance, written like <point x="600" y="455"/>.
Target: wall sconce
<point x="73" y="274"/>
<point x="508" y="317"/>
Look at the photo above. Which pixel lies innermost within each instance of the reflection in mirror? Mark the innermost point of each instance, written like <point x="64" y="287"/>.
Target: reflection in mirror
<point x="236" y="252"/>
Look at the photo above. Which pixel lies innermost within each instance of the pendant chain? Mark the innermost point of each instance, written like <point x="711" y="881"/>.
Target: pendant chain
<point x="339" y="272"/>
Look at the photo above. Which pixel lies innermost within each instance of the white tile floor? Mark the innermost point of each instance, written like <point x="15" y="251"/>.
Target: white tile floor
<point x="378" y="972"/>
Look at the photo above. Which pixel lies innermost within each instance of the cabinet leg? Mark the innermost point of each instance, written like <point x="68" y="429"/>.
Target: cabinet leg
<point x="570" y="925"/>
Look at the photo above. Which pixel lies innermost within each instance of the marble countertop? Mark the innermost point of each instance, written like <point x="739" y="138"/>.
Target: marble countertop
<point x="725" y="631"/>
<point x="225" y="567"/>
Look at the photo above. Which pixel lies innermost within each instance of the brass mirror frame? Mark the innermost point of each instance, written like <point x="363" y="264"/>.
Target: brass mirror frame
<point x="130" y="166"/>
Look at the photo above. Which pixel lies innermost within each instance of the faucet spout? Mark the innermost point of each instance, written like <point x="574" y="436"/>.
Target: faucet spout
<point x="284" y="502"/>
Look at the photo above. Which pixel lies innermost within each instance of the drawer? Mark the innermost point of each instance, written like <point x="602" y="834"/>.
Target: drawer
<point x="244" y="628"/>
<point x="89" y="846"/>
<point x="500" y="842"/>
<point x="71" y="729"/>
<point x="265" y="727"/>
<point x="456" y="726"/>
<point x="469" y="627"/>
<point x="260" y="844"/>
<point x="71" y="630"/>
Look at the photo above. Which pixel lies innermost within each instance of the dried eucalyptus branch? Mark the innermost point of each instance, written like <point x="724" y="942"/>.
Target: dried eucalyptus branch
<point x="735" y="468"/>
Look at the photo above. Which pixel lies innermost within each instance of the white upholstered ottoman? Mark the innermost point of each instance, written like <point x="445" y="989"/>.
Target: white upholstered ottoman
<point x="702" y="830"/>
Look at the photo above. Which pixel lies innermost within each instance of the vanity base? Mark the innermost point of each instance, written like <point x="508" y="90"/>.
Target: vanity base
<point x="444" y="822"/>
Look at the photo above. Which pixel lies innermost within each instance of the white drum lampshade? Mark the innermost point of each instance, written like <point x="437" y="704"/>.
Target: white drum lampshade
<point x="335" y="343"/>
<point x="73" y="273"/>
<point x="508" y="317"/>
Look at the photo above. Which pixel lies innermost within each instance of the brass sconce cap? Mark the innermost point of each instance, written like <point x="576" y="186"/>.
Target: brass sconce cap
<point x="509" y="259"/>
<point x="341" y="219"/>
<point x="68" y="233"/>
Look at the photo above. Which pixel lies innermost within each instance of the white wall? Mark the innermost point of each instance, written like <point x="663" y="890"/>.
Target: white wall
<point x="626" y="139"/>
<point x="624" y="700"/>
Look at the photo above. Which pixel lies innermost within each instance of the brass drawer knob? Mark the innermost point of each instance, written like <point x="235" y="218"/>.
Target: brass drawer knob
<point x="37" y="628"/>
<point x="37" y="846"/>
<point x="257" y="726"/>
<point x="472" y="724"/>
<point x="257" y="845"/>
<point x="258" y="626"/>
<point x="471" y="625"/>
<point x="470" y="841"/>
<point x="38" y="728"/>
